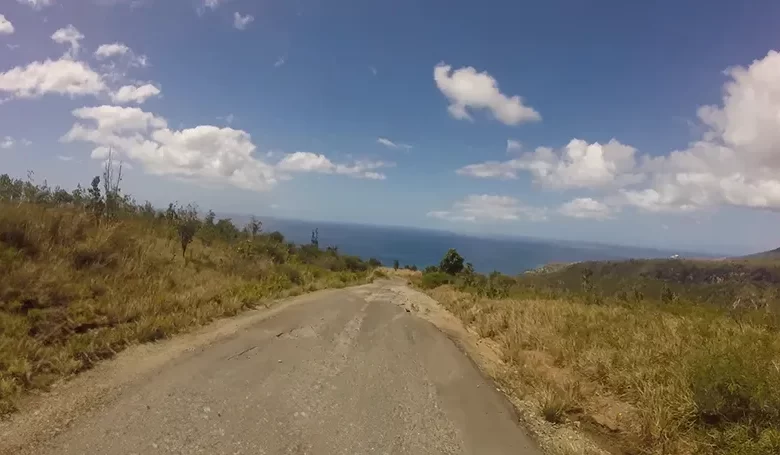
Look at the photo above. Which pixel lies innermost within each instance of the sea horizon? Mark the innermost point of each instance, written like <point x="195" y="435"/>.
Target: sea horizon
<point x="422" y="247"/>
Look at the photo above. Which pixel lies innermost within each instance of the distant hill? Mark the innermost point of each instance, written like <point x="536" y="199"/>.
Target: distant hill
<point x="771" y="254"/>
<point x="721" y="282"/>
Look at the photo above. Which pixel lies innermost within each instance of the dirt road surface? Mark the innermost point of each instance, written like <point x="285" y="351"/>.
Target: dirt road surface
<point x="353" y="371"/>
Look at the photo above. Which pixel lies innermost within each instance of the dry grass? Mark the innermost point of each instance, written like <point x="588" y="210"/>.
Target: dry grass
<point x="73" y="292"/>
<point x="647" y="378"/>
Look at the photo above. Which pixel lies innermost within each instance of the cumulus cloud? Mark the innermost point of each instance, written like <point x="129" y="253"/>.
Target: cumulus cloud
<point x="585" y="208"/>
<point x="390" y="144"/>
<point x="7" y="142"/>
<point x="63" y="76"/>
<point x="70" y="36"/>
<point x="134" y="94"/>
<point x="242" y="22"/>
<point x="466" y="89"/>
<point x="36" y="4"/>
<point x="205" y="153"/>
<point x="313" y="162"/>
<point x="107" y="51"/>
<point x="486" y="207"/>
<point x="6" y="27"/>
<point x="110" y="50"/>
<point x="578" y="165"/>
<point x="736" y="160"/>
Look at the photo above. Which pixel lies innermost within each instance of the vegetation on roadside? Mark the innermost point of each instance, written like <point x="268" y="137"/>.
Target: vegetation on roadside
<point x="653" y="357"/>
<point x="85" y="273"/>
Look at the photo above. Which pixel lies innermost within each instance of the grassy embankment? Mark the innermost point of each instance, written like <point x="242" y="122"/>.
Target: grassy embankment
<point x="656" y="357"/>
<point x="82" y="276"/>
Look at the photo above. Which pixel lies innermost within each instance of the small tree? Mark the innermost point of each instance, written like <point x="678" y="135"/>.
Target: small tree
<point x="210" y="217"/>
<point x="95" y="204"/>
<point x="395" y="264"/>
<point x="587" y="281"/>
<point x="315" y="238"/>
<point x="668" y="295"/>
<point x="254" y="227"/>
<point x="452" y="262"/>
<point x="112" y="193"/>
<point x="187" y="226"/>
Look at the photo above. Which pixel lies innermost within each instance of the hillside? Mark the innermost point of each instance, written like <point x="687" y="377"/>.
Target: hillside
<point x="734" y="282"/>
<point x="771" y="254"/>
<point x="84" y="274"/>
<point x="647" y="356"/>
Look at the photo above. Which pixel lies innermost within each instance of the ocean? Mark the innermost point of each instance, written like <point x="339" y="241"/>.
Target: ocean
<point x="426" y="247"/>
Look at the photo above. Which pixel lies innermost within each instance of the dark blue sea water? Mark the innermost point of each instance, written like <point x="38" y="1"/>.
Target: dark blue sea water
<point x="426" y="247"/>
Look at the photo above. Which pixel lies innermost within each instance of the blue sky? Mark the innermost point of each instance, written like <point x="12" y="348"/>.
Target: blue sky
<point x="563" y="119"/>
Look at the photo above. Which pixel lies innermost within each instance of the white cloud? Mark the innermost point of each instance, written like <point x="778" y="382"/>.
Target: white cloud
<point x="373" y="70"/>
<point x="212" y="4"/>
<point x="312" y="162"/>
<point x="70" y="36"/>
<point x="106" y="51"/>
<point x="513" y="146"/>
<point x="736" y="160"/>
<point x="204" y="153"/>
<point x="390" y="144"/>
<point x="6" y="27"/>
<point x="578" y="165"/>
<point x="208" y="4"/>
<point x="582" y="165"/>
<point x="110" y="50"/>
<point x="585" y="208"/>
<point x="228" y="118"/>
<point x="241" y="22"/>
<point x="64" y="77"/>
<point x="36" y="4"/>
<point x="26" y="142"/>
<point x="466" y="88"/>
<point x="279" y="62"/>
<point x="64" y="158"/>
<point x="491" y="170"/>
<point x="485" y="207"/>
<point x="7" y="142"/>
<point x="134" y="94"/>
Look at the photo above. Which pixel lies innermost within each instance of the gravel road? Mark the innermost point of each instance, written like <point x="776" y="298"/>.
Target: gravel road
<point x="351" y="371"/>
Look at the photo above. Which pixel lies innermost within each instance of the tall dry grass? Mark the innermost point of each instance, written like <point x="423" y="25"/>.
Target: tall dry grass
<point x="74" y="290"/>
<point x="648" y="378"/>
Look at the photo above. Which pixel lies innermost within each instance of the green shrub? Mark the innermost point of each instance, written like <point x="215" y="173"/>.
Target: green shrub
<point x="435" y="279"/>
<point x="276" y="236"/>
<point x="452" y="262"/>
<point x="737" y="382"/>
<point x="431" y="269"/>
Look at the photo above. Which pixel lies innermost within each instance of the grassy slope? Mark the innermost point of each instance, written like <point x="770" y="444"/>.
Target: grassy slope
<point x="647" y="375"/>
<point x="73" y="291"/>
